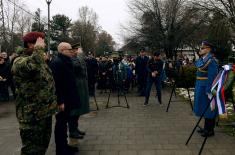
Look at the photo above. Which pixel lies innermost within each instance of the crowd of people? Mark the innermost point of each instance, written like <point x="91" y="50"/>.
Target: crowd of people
<point x="6" y="79"/>
<point x="62" y="85"/>
<point x="100" y="71"/>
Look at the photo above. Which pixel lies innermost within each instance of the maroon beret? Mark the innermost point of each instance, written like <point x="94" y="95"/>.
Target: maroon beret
<point x="32" y="37"/>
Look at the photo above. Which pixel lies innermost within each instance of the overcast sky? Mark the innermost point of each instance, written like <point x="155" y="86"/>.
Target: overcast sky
<point x="111" y="12"/>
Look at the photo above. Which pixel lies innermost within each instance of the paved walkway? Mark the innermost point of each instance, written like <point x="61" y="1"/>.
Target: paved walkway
<point x="135" y="131"/>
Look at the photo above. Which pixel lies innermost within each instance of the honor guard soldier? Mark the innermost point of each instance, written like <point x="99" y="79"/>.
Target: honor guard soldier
<point x="207" y="69"/>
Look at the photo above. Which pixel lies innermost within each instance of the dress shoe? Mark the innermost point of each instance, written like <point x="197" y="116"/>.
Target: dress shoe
<point x="145" y="103"/>
<point x="65" y="153"/>
<point x="81" y="133"/>
<point x="201" y="130"/>
<point x="207" y="133"/>
<point x="77" y="136"/>
<point x="73" y="149"/>
<point x="66" y="150"/>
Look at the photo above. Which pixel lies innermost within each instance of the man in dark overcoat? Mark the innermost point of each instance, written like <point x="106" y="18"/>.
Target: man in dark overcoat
<point x="103" y="70"/>
<point x="5" y="75"/>
<point x="67" y="95"/>
<point x="80" y="71"/>
<point x="141" y="71"/>
<point x="92" y="71"/>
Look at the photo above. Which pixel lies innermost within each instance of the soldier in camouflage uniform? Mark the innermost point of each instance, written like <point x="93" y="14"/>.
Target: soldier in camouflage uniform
<point x="36" y="100"/>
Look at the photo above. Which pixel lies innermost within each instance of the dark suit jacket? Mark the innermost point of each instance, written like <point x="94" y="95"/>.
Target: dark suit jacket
<point x="92" y="69"/>
<point x="141" y="65"/>
<point x="65" y="82"/>
<point x="155" y="65"/>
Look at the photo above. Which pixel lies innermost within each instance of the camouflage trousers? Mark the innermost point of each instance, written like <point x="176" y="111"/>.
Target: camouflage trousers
<point x="35" y="137"/>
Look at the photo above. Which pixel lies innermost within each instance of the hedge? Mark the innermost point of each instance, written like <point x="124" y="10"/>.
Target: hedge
<point x="186" y="77"/>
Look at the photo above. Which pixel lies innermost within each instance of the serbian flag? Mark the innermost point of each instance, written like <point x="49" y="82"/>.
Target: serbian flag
<point x="218" y="90"/>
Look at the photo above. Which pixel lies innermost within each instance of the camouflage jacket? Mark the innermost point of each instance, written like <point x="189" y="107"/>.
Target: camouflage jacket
<point x="35" y="88"/>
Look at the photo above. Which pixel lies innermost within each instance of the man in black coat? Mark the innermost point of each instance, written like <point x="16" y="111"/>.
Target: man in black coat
<point x="141" y="71"/>
<point x="5" y="75"/>
<point x="155" y="69"/>
<point x="103" y="76"/>
<point x="67" y="98"/>
<point x="92" y="71"/>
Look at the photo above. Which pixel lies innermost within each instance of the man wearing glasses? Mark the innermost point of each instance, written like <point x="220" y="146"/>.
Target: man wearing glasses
<point x="67" y="98"/>
<point x="207" y="69"/>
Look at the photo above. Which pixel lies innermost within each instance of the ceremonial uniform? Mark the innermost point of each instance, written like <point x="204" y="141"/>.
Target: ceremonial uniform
<point x="35" y="102"/>
<point x="207" y="69"/>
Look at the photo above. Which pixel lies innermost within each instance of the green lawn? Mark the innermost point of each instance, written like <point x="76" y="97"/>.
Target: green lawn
<point x="228" y="125"/>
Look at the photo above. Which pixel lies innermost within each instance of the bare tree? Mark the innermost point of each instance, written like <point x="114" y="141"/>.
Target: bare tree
<point x="164" y="25"/>
<point x="11" y="13"/>
<point x="2" y="26"/>
<point x="226" y="8"/>
<point x="88" y="15"/>
<point x="85" y="29"/>
<point x="17" y="21"/>
<point x="24" y="23"/>
<point x="104" y="43"/>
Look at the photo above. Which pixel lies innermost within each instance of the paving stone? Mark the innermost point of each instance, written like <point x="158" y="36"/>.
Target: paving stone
<point x="101" y="147"/>
<point x="216" y="151"/>
<point x="136" y="147"/>
<point x="88" y="153"/>
<point x="118" y="147"/>
<point x="127" y="153"/>
<point x="170" y="146"/>
<point x="86" y="147"/>
<point x="109" y="152"/>
<point x="205" y="152"/>
<point x="111" y="141"/>
<point x="147" y="152"/>
<point x="136" y="131"/>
